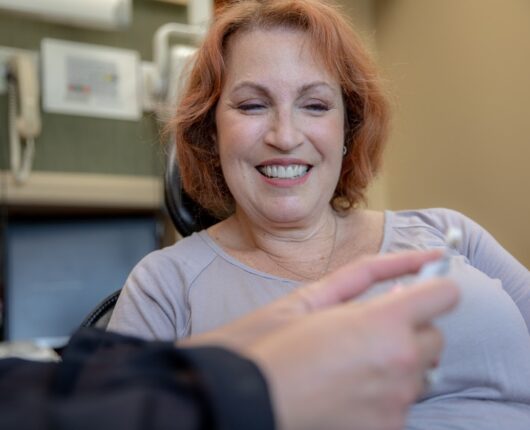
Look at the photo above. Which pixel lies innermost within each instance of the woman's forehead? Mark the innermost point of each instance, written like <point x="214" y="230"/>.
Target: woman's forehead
<point x="266" y="51"/>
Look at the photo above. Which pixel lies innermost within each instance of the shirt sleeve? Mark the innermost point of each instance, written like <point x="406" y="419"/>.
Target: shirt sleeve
<point x="111" y="382"/>
<point x="234" y="388"/>
<point x="147" y="307"/>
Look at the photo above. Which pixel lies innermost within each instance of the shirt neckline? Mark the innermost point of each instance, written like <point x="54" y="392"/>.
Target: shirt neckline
<point x="203" y="234"/>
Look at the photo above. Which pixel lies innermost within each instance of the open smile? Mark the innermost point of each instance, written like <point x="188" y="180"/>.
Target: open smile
<point x="290" y="171"/>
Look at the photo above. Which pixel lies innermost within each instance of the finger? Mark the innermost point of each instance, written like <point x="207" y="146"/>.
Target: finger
<point x="352" y="279"/>
<point x="430" y="344"/>
<point x="423" y="302"/>
<point x="429" y="341"/>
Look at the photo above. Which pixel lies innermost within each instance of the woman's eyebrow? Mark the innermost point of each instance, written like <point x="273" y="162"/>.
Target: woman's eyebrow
<point x="250" y="85"/>
<point x="315" y="85"/>
<point x="263" y="89"/>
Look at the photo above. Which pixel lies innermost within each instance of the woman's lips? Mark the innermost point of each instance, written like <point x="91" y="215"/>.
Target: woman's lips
<point x="290" y="171"/>
<point x="284" y="173"/>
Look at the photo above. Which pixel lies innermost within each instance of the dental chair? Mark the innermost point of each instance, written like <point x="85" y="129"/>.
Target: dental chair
<point x="187" y="217"/>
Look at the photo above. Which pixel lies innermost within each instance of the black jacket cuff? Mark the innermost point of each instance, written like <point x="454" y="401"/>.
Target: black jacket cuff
<point x="234" y="389"/>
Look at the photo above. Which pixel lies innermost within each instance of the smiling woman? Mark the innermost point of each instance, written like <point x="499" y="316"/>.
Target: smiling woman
<point x="279" y="132"/>
<point x="271" y="126"/>
<point x="333" y="47"/>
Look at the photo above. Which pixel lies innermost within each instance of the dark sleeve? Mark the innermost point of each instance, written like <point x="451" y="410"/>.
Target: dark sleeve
<point x="109" y="381"/>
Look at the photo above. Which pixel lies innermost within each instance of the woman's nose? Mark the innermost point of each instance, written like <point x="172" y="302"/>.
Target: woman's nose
<point x="284" y="132"/>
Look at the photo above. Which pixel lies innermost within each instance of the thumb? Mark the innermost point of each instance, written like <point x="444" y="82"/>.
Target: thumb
<point x="354" y="278"/>
<point x="420" y="303"/>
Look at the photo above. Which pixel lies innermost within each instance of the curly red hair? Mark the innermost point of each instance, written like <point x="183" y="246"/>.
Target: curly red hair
<point x="344" y="56"/>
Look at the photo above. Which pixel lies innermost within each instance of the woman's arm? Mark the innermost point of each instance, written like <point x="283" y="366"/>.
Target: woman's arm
<point x="488" y="256"/>
<point x="150" y="304"/>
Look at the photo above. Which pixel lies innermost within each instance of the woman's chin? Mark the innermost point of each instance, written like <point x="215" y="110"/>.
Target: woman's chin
<point x="287" y="214"/>
<point x="286" y="210"/>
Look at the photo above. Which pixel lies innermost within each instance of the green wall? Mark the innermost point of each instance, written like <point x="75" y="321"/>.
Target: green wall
<point x="83" y="144"/>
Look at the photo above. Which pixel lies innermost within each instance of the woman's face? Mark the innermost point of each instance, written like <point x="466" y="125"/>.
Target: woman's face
<point x="280" y="127"/>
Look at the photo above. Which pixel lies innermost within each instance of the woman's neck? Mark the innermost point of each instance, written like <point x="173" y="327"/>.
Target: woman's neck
<point x="274" y="237"/>
<point x="301" y="251"/>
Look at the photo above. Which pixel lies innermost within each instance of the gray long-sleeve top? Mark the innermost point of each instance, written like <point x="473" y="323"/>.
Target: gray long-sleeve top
<point x="484" y="375"/>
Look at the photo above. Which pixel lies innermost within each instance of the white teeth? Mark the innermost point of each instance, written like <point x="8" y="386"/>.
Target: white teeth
<point x="284" y="172"/>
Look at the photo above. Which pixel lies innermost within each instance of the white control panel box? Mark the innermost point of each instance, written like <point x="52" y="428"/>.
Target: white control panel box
<point x="90" y="80"/>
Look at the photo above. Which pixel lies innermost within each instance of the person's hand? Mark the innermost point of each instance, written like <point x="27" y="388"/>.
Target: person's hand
<point x="355" y="366"/>
<point x="342" y="285"/>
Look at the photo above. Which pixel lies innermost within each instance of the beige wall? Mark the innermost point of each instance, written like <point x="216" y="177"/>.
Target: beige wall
<point x="459" y="72"/>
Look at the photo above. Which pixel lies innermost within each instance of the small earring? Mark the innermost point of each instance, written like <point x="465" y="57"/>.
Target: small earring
<point x="344" y="150"/>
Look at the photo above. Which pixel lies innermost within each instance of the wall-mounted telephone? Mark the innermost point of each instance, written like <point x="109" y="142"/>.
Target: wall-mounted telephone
<point x="24" y="113"/>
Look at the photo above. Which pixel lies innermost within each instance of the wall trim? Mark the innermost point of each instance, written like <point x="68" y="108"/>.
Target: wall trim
<point x="83" y="190"/>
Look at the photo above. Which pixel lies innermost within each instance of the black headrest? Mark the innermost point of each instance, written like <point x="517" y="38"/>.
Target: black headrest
<point x="187" y="215"/>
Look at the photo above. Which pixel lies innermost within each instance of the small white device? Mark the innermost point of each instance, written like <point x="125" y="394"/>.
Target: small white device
<point x="440" y="267"/>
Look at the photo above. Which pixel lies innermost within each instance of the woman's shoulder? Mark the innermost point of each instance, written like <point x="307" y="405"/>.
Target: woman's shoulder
<point x="437" y="218"/>
<point x="188" y="255"/>
<point x="425" y="227"/>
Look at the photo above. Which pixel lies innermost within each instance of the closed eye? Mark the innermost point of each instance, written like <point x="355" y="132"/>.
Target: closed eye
<point x="251" y="107"/>
<point x="317" y="108"/>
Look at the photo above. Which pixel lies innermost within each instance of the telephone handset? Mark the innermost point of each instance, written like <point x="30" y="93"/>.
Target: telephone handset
<point x="24" y="113"/>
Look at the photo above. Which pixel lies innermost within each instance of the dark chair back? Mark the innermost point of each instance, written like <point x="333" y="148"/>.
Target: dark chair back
<point x="187" y="215"/>
<point x="101" y="314"/>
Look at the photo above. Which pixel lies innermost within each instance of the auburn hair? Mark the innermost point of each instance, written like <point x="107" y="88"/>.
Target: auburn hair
<point x="344" y="56"/>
